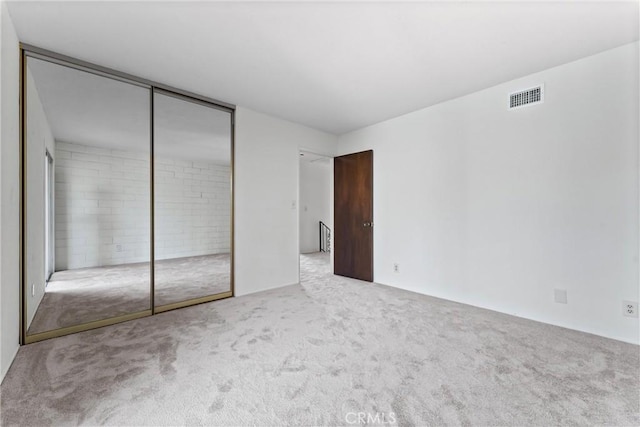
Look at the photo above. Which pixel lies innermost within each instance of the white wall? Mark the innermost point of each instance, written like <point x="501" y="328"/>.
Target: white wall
<point x="39" y="139"/>
<point x="498" y="208"/>
<point x="266" y="194"/>
<point x="9" y="192"/>
<point x="315" y="202"/>
<point x="102" y="207"/>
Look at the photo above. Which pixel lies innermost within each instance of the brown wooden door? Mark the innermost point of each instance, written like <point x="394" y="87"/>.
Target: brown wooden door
<point x="353" y="215"/>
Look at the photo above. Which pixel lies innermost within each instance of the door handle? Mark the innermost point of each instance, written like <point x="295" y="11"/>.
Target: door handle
<point x="367" y="224"/>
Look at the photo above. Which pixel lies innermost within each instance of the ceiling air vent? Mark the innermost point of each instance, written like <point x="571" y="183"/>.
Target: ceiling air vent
<point x="523" y="98"/>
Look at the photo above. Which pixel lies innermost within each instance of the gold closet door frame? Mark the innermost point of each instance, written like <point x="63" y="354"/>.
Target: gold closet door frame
<point x="27" y="51"/>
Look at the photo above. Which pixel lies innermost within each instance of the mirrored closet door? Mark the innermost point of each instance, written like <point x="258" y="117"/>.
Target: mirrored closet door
<point x="126" y="197"/>
<point x="192" y="208"/>
<point x="86" y="181"/>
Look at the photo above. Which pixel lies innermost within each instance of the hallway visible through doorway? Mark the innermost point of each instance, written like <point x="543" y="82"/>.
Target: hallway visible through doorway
<point x="315" y="265"/>
<point x="315" y="212"/>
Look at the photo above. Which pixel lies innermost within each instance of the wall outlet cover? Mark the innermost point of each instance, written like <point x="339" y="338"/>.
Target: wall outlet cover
<point x="630" y="308"/>
<point x="560" y="296"/>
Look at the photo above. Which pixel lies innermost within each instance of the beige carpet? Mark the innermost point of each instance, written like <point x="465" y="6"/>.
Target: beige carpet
<point x="315" y="353"/>
<point x="83" y="295"/>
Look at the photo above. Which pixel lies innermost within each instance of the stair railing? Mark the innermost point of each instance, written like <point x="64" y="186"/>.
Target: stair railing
<point x="325" y="238"/>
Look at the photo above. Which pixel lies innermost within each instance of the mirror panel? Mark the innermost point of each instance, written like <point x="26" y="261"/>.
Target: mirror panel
<point x="87" y="197"/>
<point x="192" y="199"/>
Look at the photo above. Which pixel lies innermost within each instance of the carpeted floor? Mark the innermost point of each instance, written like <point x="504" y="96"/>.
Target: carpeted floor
<point x="318" y="352"/>
<point x="87" y="294"/>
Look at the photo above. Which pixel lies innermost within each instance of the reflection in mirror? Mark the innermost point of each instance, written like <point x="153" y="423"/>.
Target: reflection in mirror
<point x="87" y="197"/>
<point x="192" y="176"/>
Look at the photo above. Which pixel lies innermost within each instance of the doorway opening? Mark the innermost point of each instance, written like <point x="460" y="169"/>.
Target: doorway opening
<point x="315" y="215"/>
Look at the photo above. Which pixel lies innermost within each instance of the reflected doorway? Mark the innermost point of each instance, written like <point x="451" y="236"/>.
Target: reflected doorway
<point x="49" y="229"/>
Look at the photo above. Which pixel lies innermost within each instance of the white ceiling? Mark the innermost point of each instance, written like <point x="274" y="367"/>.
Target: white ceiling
<point x="92" y="110"/>
<point x="332" y="66"/>
<point x="192" y="131"/>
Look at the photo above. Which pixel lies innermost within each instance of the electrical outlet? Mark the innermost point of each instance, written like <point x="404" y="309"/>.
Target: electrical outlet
<point x="396" y="267"/>
<point x="33" y="290"/>
<point x="118" y="248"/>
<point x="630" y="308"/>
